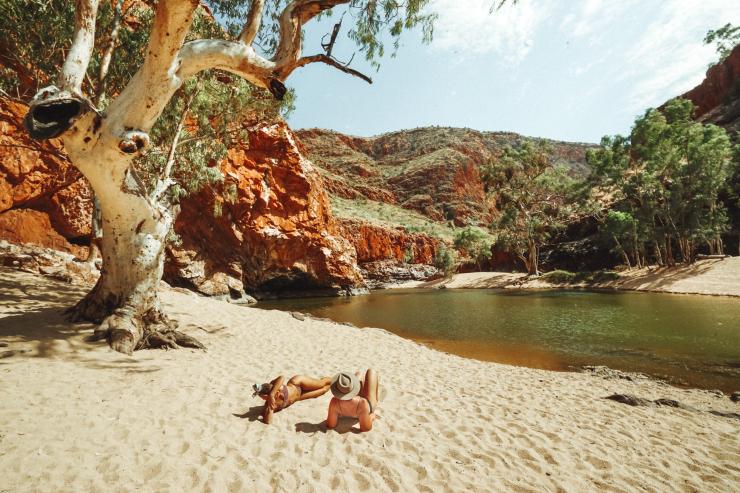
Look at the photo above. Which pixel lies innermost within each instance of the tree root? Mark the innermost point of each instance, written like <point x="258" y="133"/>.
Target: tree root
<point x="170" y="339"/>
<point x="127" y="332"/>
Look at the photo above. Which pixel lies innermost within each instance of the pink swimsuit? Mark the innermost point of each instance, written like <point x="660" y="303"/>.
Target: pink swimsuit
<point x="351" y="408"/>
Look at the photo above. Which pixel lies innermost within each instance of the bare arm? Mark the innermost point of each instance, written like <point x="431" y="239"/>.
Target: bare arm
<point x="274" y="390"/>
<point x="333" y="414"/>
<point x="270" y="405"/>
<point x="312" y="394"/>
<point x="366" y="417"/>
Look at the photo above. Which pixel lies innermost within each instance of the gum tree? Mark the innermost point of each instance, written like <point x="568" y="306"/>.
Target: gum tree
<point x="535" y="199"/>
<point x="105" y="145"/>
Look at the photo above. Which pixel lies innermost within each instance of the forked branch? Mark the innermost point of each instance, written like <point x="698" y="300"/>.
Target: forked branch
<point x="145" y="96"/>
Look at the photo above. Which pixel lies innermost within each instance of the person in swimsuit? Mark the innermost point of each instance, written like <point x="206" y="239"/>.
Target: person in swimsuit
<point x="354" y="398"/>
<point x="279" y="394"/>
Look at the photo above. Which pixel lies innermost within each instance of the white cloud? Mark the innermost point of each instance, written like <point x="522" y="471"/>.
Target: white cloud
<point x="591" y="18"/>
<point x="468" y="28"/>
<point x="669" y="58"/>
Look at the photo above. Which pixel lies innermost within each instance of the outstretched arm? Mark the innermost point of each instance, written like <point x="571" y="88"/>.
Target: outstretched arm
<point x="269" y="408"/>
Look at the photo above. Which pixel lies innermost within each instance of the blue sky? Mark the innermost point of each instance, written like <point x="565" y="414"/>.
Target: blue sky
<point x="564" y="69"/>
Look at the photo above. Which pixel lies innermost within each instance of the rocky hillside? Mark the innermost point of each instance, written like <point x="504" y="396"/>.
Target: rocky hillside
<point x="434" y="171"/>
<point x="425" y="180"/>
<point x="717" y="101"/>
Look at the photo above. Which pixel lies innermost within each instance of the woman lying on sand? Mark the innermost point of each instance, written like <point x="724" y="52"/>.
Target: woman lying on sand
<point x="354" y="398"/>
<point x="278" y="395"/>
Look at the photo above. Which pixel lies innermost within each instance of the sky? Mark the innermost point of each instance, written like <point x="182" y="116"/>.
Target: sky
<point x="572" y="70"/>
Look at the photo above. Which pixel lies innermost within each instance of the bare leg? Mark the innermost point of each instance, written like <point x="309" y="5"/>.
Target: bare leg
<point x="369" y="388"/>
<point x="311" y="387"/>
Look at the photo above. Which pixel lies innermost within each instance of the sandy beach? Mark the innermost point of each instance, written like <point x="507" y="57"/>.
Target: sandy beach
<point x="76" y="416"/>
<point x="715" y="277"/>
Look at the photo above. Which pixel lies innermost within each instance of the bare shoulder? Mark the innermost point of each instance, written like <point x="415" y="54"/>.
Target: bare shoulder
<point x="364" y="406"/>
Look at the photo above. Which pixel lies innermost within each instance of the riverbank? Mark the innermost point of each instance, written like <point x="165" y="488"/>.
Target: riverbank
<point x="717" y="277"/>
<point x="76" y="416"/>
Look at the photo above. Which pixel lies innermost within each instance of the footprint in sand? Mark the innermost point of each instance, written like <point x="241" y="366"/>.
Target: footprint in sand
<point x="151" y="472"/>
<point x="363" y="483"/>
<point x="235" y="486"/>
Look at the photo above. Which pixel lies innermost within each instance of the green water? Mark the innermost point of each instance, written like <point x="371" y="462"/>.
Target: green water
<point x="687" y="340"/>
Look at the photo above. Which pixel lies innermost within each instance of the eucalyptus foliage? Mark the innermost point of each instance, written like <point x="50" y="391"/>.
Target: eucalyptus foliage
<point x="535" y="200"/>
<point x="476" y="243"/>
<point x="725" y="39"/>
<point x="663" y="183"/>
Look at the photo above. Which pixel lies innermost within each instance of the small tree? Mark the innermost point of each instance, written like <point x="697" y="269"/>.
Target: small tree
<point x="476" y="243"/>
<point x="106" y="146"/>
<point x="535" y="200"/>
<point x="725" y="38"/>
<point x="445" y="259"/>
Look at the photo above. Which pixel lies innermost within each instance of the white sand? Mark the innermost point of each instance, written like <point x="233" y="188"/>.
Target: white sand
<point x="708" y="277"/>
<point x="75" y="416"/>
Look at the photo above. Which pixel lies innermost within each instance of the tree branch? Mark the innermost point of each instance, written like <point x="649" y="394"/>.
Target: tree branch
<point x="173" y="148"/>
<point x="242" y="60"/>
<point x="236" y="58"/>
<point x="108" y="53"/>
<point x="254" y="20"/>
<point x="145" y="96"/>
<point x="78" y="57"/>
<point x="334" y="63"/>
<point x="295" y="15"/>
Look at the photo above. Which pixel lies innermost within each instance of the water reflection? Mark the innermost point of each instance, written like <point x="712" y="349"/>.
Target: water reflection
<point x="693" y="340"/>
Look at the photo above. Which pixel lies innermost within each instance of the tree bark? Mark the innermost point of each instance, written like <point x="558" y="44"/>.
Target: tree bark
<point x="624" y="253"/>
<point x="96" y="232"/>
<point x="533" y="261"/>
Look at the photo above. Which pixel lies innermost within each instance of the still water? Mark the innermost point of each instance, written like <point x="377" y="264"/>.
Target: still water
<point x="687" y="340"/>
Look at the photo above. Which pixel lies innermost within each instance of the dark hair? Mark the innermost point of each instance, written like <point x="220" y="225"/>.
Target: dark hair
<point x="263" y="389"/>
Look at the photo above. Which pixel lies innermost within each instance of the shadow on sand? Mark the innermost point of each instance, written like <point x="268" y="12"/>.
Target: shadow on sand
<point x="33" y="324"/>
<point x="254" y="413"/>
<point x="345" y="425"/>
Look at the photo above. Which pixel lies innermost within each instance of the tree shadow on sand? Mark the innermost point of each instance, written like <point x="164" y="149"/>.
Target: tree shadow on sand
<point x="45" y="331"/>
<point x="33" y="325"/>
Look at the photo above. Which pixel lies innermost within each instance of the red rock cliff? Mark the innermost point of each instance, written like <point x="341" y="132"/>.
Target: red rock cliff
<point x="373" y="243"/>
<point x="717" y="98"/>
<point x="43" y="199"/>
<point x="277" y="233"/>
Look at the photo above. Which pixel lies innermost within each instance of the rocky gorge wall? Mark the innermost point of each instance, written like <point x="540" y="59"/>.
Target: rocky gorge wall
<point x="276" y="233"/>
<point x="43" y="199"/>
<point x="717" y="98"/>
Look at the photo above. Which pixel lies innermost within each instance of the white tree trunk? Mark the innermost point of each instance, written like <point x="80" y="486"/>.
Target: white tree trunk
<point x="135" y="221"/>
<point x="135" y="227"/>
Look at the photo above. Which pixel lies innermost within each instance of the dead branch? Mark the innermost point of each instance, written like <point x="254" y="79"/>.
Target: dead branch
<point x="334" y="63"/>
